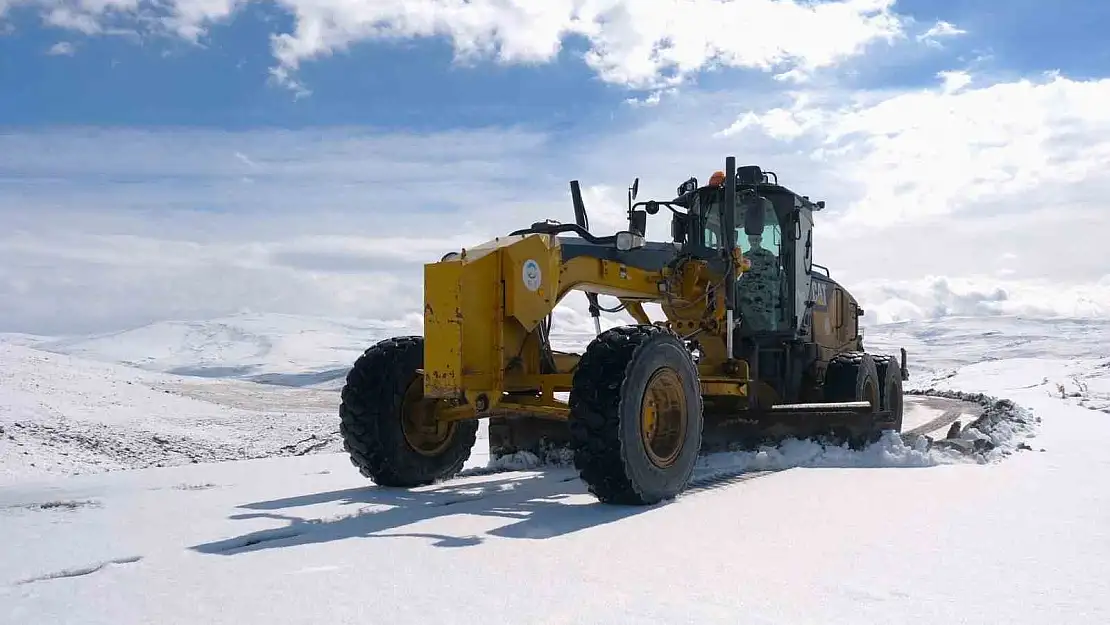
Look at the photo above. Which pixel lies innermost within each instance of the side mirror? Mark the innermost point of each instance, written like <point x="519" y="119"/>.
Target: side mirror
<point x="753" y="215"/>
<point x="749" y="174"/>
<point x="634" y="190"/>
<point x="678" y="228"/>
<point x="637" y="221"/>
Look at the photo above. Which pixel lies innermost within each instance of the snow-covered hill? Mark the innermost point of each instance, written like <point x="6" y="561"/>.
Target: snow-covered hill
<point x="67" y="415"/>
<point x="303" y="351"/>
<point x="944" y="345"/>
<point x="179" y="392"/>
<point x="286" y="350"/>
<point x="795" y="534"/>
<point x="1071" y="356"/>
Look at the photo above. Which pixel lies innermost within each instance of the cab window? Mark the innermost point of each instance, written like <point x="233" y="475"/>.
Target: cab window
<point x="714" y="239"/>
<point x="772" y="234"/>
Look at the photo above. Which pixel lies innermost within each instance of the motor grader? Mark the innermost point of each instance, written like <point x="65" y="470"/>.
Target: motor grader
<point x="759" y="344"/>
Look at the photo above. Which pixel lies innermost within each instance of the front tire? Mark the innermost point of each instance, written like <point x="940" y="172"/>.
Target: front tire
<point x="382" y="410"/>
<point x="635" y="416"/>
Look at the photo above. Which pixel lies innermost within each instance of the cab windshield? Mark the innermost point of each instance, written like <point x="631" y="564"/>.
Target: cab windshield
<point x="714" y="236"/>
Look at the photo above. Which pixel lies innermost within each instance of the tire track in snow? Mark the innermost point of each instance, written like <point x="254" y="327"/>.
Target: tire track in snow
<point x="946" y="419"/>
<point x="725" y="478"/>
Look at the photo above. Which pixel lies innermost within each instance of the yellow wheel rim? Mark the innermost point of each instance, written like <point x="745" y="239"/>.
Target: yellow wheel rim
<point x="423" y="433"/>
<point x="663" y="418"/>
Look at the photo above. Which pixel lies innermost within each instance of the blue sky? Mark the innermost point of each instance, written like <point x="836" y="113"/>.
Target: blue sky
<point x="222" y="79"/>
<point x="288" y="144"/>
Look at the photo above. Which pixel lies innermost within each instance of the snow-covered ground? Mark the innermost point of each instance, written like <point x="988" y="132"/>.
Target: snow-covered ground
<point x="896" y="533"/>
<point x="62" y="415"/>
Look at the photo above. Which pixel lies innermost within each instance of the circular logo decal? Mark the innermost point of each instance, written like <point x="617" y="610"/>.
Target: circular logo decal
<point x="532" y="275"/>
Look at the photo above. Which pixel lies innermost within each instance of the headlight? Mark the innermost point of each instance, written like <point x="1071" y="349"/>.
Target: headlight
<point x="629" y="241"/>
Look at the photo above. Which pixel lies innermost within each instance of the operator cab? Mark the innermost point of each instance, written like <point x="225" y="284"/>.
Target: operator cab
<point x="773" y="293"/>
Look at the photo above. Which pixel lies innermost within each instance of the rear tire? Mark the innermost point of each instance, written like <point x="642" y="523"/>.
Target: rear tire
<point x="635" y="416"/>
<point x="851" y="376"/>
<point x="889" y="373"/>
<point x="382" y="384"/>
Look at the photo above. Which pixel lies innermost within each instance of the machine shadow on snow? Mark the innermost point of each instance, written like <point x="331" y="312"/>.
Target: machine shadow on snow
<point x="535" y="504"/>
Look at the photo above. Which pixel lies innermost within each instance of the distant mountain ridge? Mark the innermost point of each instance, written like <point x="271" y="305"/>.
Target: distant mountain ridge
<point x="308" y="351"/>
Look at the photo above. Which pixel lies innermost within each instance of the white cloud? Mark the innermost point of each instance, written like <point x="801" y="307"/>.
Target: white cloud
<point x="939" y="296"/>
<point x="953" y="81"/>
<point x="990" y="186"/>
<point x="188" y="18"/>
<point x="66" y="18"/>
<point x="997" y="188"/>
<point x="62" y="48"/>
<point x="940" y="30"/>
<point x="161" y="223"/>
<point x="957" y="154"/>
<point x="634" y="44"/>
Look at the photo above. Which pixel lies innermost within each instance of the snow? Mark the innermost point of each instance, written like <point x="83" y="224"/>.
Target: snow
<point x="256" y="531"/>
<point x="289" y="350"/>
<point x="63" y="415"/>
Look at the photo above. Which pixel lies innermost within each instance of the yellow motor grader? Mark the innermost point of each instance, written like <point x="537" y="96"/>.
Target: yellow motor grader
<point x="759" y="344"/>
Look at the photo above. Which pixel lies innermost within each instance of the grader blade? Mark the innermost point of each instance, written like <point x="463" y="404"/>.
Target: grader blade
<point x="854" y="423"/>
